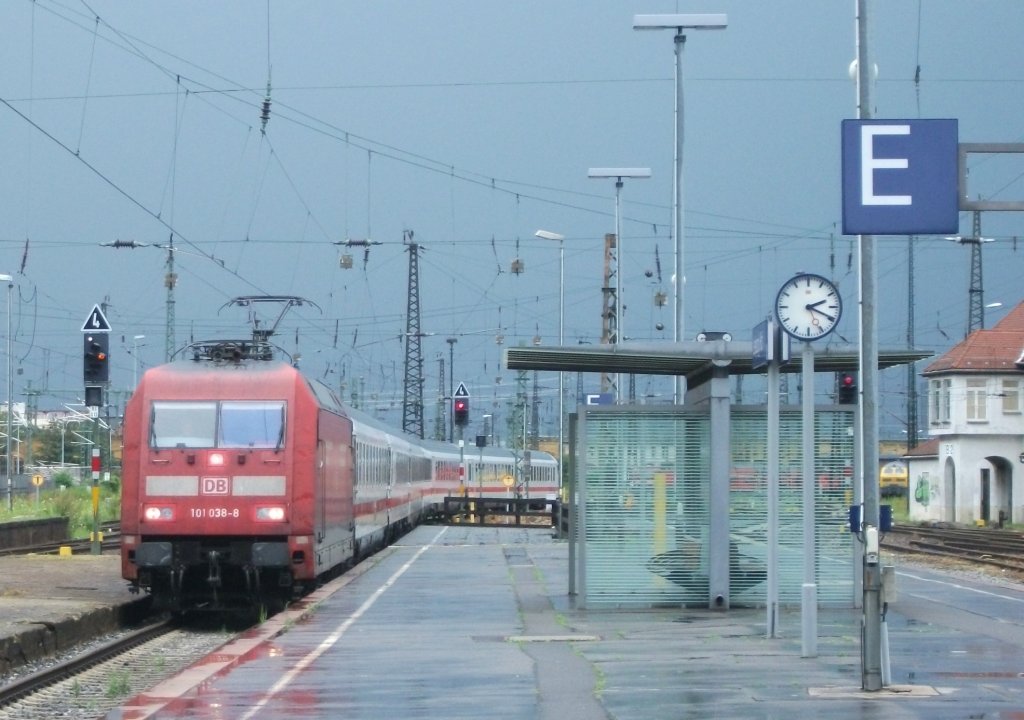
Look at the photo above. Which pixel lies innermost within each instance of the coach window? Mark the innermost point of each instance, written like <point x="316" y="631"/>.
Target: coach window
<point x="183" y="425"/>
<point x="251" y="424"/>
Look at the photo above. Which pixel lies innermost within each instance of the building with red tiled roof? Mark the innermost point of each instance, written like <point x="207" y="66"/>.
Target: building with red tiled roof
<point x="965" y="473"/>
<point x="997" y="349"/>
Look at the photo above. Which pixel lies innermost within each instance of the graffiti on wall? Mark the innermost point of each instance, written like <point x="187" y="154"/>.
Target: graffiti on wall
<point x="924" y="490"/>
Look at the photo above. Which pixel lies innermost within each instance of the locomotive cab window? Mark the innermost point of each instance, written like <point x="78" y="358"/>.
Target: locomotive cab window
<point x="183" y="424"/>
<point x="258" y="424"/>
<point x="251" y="425"/>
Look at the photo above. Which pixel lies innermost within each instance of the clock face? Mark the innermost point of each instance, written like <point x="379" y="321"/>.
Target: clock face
<point x="808" y="307"/>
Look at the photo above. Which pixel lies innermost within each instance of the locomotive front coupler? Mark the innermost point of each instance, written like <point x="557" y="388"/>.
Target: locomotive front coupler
<point x="213" y="576"/>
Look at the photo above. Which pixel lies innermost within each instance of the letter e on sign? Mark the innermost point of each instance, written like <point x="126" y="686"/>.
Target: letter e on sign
<point x="214" y="486"/>
<point x="900" y="177"/>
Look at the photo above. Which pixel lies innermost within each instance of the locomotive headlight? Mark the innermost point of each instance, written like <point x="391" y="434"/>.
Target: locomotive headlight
<point x="270" y="514"/>
<point x="156" y="513"/>
<point x="216" y="459"/>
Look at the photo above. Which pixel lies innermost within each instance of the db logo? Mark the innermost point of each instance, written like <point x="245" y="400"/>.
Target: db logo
<point x="214" y="486"/>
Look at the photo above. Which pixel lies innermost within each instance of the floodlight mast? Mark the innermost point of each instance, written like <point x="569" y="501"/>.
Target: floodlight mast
<point x="560" y="239"/>
<point x="9" y="279"/>
<point x="680" y="23"/>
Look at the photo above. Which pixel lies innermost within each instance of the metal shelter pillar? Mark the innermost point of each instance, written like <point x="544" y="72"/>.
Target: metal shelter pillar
<point x="718" y="535"/>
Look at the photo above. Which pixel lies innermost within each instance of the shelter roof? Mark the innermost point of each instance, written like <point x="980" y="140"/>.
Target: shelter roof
<point x="694" y="360"/>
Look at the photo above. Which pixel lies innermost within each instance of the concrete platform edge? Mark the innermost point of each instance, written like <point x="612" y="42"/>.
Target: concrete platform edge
<point x="149" y="703"/>
<point x="43" y="638"/>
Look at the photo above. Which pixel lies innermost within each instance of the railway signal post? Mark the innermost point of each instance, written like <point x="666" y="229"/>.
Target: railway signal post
<point x="460" y="416"/>
<point x="96" y="377"/>
<point x="460" y="407"/>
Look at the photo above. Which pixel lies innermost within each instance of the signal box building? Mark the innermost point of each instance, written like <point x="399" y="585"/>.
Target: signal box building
<point x="971" y="470"/>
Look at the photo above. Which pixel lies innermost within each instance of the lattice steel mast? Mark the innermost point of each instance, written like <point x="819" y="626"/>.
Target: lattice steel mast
<point x="412" y="404"/>
<point x="976" y="290"/>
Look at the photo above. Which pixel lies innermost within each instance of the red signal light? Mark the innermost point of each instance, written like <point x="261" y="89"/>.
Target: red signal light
<point x="847" y="389"/>
<point x="460" y="411"/>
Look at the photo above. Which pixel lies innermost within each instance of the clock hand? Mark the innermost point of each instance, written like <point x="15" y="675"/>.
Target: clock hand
<point x="811" y="306"/>
<point x="824" y="314"/>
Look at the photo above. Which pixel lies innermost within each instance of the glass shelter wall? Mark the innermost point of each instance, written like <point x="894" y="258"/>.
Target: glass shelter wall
<point x="643" y="506"/>
<point x="748" y="499"/>
<point x="644" y="515"/>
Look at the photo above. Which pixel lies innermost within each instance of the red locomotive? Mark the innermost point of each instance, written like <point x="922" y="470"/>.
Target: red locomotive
<point x="244" y="482"/>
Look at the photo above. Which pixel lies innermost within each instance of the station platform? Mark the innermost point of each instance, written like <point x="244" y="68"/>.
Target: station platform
<point x="469" y="622"/>
<point x="50" y="603"/>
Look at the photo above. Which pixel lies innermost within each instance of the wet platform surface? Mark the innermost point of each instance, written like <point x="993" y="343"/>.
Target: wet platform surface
<point x="467" y="622"/>
<point x="48" y="603"/>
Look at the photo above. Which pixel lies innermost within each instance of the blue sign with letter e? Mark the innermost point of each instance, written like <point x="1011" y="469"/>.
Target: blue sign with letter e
<point x="900" y="177"/>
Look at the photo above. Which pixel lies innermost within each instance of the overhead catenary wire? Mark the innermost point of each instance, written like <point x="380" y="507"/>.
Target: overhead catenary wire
<point x="123" y="192"/>
<point x="88" y="83"/>
<point x="135" y="45"/>
<point x="451" y="171"/>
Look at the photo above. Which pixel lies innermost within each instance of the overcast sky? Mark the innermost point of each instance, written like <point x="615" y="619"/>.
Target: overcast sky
<point x="471" y="123"/>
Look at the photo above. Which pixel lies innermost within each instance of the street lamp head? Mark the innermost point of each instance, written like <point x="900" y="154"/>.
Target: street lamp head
<point x="604" y="172"/>
<point x="685" y="21"/>
<point x="6" y="278"/>
<point x="548" y="235"/>
<point x="139" y="337"/>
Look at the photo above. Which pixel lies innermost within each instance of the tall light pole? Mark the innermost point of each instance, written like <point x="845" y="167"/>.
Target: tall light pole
<point x="618" y="174"/>
<point x="547" y="235"/>
<point x="871" y="653"/>
<point x="9" y="279"/>
<point x="679" y="23"/>
<point x="135" y="359"/>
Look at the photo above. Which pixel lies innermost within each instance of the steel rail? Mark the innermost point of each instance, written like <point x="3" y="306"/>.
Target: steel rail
<point x="23" y="687"/>
<point x="111" y="541"/>
<point x="1001" y="549"/>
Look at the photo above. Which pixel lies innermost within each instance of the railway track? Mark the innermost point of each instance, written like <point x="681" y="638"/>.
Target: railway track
<point x="111" y="541"/>
<point x="99" y="680"/>
<point x="1002" y="550"/>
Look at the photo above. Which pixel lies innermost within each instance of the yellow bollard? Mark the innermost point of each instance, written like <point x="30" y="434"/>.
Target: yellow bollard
<point x="65" y="551"/>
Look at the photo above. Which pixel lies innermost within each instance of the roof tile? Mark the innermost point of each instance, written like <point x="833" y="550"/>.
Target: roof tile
<point x="1000" y="348"/>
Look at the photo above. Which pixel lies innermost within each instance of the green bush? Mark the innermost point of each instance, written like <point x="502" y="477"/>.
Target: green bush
<point x="66" y="503"/>
<point x="63" y="479"/>
<point x="113" y="485"/>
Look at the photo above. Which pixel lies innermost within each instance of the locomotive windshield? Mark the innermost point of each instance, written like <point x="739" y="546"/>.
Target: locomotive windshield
<point x="251" y="425"/>
<point x="229" y="424"/>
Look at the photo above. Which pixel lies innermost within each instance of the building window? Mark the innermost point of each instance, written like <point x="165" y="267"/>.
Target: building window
<point x="939" y="401"/>
<point x="1011" y="396"/>
<point x="976" y="401"/>
<point x="947" y="393"/>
